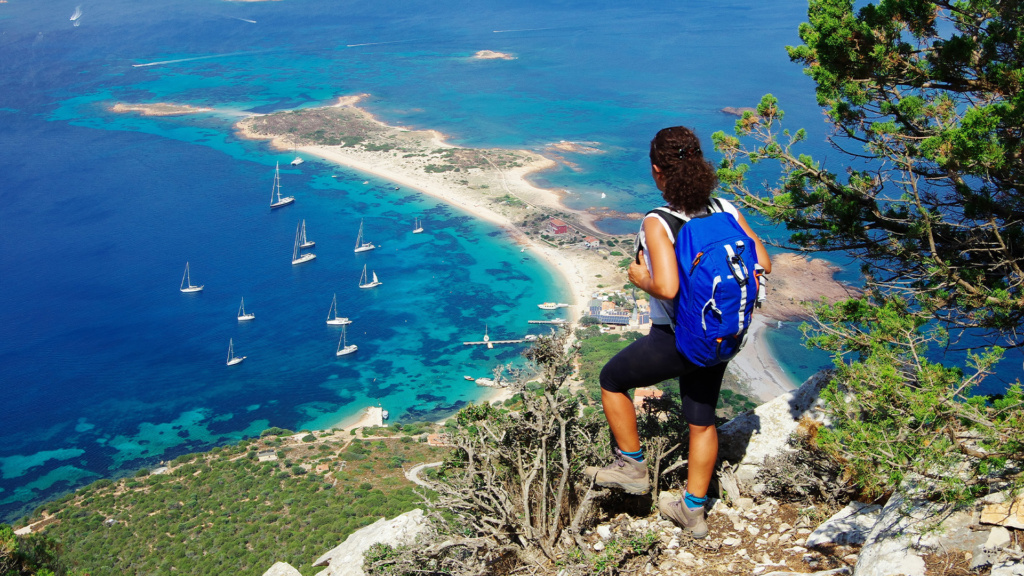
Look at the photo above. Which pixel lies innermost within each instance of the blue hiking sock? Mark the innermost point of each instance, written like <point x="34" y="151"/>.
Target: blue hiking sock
<point x="693" y="502"/>
<point x="638" y="455"/>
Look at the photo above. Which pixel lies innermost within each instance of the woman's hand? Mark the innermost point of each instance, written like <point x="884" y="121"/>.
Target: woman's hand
<point x="638" y="273"/>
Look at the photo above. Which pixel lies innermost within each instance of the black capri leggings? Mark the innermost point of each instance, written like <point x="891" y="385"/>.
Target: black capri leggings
<point x="654" y="358"/>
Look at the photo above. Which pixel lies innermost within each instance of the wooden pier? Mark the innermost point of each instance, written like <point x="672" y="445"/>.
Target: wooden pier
<point x="548" y="322"/>
<point x="491" y="343"/>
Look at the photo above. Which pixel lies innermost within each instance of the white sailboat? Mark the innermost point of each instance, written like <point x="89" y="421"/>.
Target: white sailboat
<point x="298" y="160"/>
<point x="298" y="258"/>
<point x="303" y="241"/>
<point x="242" y="316"/>
<point x="332" y="315"/>
<point x="232" y="359"/>
<point x="360" y="245"/>
<point x="186" y="282"/>
<point x="363" y="283"/>
<point x="419" y="227"/>
<point x="276" y="190"/>
<point x="343" y="346"/>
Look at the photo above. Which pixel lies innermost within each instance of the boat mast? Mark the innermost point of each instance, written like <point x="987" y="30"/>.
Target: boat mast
<point x="277" y="183"/>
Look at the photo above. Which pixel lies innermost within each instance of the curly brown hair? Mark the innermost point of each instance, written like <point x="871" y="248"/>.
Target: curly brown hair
<point x="689" y="178"/>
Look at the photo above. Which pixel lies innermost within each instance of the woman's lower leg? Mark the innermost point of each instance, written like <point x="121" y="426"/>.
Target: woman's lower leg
<point x="702" y="458"/>
<point x="618" y="409"/>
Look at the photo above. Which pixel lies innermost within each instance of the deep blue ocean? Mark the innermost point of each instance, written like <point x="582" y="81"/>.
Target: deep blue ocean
<point x="105" y="367"/>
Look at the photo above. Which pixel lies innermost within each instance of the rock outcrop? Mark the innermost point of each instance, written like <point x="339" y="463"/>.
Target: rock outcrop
<point x="282" y="569"/>
<point x="764" y="431"/>
<point x="346" y="559"/>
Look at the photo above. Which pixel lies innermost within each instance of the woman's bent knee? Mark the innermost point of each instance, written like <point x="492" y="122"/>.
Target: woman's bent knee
<point x="608" y="380"/>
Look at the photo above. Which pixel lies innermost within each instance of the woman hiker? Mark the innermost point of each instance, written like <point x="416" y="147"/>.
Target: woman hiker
<point x="686" y="181"/>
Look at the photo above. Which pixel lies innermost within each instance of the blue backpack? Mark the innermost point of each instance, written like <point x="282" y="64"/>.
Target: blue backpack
<point x="718" y="285"/>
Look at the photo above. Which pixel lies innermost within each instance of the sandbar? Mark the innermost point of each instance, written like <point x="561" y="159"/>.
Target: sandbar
<point x="158" y="109"/>
<point x="492" y="55"/>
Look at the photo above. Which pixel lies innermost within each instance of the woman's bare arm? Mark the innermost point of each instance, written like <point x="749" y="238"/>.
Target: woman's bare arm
<point x="762" y="253"/>
<point x="663" y="281"/>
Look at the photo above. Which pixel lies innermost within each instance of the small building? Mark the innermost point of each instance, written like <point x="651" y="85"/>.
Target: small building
<point x="323" y="467"/>
<point x="556" y="226"/>
<point x="644" y="395"/>
<point x="613" y="316"/>
<point x="591" y="242"/>
<point x="266" y="455"/>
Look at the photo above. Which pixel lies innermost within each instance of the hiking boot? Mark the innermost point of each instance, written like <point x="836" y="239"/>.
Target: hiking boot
<point x="624" y="473"/>
<point x="681" y="514"/>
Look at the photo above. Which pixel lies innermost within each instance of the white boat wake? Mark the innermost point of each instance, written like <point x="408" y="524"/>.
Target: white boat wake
<point x="190" y="59"/>
<point x="521" y="30"/>
<point x="376" y="43"/>
<point x="77" y="14"/>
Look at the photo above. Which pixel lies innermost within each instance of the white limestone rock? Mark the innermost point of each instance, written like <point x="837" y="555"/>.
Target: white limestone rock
<point x="750" y="437"/>
<point x="905" y="531"/>
<point x="346" y="559"/>
<point x="998" y="538"/>
<point x="1008" y="569"/>
<point x="849" y="526"/>
<point x="282" y="569"/>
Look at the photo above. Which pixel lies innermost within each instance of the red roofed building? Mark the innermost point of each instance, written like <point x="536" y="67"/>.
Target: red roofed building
<point x="641" y="395"/>
<point x="556" y="226"/>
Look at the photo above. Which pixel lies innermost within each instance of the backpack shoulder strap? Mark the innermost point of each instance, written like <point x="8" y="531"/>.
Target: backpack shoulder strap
<point x="669" y="219"/>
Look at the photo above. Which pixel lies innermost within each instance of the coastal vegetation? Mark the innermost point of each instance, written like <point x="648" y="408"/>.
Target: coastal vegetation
<point x="350" y="127"/>
<point x="929" y="93"/>
<point x="236" y="509"/>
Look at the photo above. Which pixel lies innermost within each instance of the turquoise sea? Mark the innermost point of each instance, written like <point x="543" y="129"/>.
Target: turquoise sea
<point x="105" y="367"/>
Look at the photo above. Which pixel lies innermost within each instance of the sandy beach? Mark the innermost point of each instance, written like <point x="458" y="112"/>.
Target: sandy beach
<point x="490" y="184"/>
<point x="757" y="367"/>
